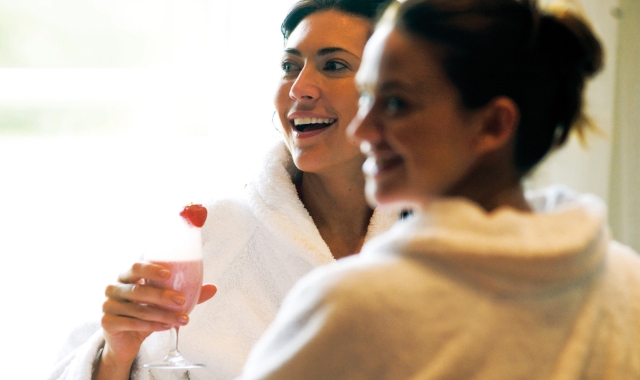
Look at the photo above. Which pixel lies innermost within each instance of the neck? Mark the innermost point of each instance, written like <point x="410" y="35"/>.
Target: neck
<point x="339" y="209"/>
<point x="492" y="188"/>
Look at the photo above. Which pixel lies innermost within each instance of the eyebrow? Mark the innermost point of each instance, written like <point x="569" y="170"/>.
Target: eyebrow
<point x="396" y="84"/>
<point x="389" y="86"/>
<point x="322" y="52"/>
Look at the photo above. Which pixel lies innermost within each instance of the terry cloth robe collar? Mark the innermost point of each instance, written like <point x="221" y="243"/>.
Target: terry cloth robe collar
<point x="273" y="197"/>
<point x="507" y="250"/>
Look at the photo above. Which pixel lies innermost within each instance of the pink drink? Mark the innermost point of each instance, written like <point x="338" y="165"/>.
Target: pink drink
<point x="186" y="277"/>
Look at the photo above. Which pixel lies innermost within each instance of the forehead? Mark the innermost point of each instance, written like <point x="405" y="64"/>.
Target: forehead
<point x="330" y="29"/>
<point x="393" y="56"/>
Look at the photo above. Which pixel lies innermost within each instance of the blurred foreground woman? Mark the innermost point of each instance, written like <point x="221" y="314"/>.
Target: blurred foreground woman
<point x="460" y="100"/>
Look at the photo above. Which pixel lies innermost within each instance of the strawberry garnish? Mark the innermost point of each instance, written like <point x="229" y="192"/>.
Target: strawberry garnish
<point x="195" y="215"/>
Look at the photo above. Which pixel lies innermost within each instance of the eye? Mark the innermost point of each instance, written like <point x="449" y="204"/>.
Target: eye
<point x="334" y="66"/>
<point x="394" y="105"/>
<point x="288" y="67"/>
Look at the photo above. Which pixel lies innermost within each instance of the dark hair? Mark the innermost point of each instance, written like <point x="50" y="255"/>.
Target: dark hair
<point x="509" y="48"/>
<point x="367" y="9"/>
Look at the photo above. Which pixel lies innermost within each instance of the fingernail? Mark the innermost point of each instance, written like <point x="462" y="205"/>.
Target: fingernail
<point x="178" y="300"/>
<point x="164" y="273"/>
<point x="166" y="326"/>
<point x="183" y="319"/>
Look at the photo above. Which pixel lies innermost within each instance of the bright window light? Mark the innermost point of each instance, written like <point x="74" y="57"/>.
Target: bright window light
<point x="109" y="112"/>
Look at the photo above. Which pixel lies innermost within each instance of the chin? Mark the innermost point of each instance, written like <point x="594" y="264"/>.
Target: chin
<point x="370" y="193"/>
<point x="306" y="160"/>
<point x="389" y="198"/>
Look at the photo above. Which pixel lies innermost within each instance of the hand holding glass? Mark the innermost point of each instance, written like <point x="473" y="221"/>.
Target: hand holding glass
<point x="181" y="253"/>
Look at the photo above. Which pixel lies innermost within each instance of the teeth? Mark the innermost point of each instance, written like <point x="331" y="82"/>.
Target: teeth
<point x="312" y="120"/>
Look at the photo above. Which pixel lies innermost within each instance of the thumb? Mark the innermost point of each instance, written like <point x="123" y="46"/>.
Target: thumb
<point x="208" y="291"/>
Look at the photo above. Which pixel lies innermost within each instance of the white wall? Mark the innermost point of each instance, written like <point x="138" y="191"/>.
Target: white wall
<point x="588" y="169"/>
<point x="606" y="165"/>
<point x="624" y="197"/>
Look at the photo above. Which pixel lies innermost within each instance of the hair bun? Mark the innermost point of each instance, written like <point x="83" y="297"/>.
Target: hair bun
<point x="575" y="45"/>
<point x="572" y="54"/>
<point x="539" y="59"/>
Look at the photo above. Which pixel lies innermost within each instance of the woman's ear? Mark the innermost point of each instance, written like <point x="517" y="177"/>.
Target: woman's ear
<point x="500" y="120"/>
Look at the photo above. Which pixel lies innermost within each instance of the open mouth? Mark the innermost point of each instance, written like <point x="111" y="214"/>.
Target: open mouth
<point x="308" y="124"/>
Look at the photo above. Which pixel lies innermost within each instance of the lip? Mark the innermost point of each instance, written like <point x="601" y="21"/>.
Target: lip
<point x="380" y="164"/>
<point x="306" y="114"/>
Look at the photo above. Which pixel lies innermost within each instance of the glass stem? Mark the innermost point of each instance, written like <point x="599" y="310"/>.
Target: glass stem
<point x="174" y="342"/>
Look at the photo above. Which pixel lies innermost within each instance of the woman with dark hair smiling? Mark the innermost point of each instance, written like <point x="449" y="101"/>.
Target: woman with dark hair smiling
<point x="305" y="208"/>
<point x="461" y="99"/>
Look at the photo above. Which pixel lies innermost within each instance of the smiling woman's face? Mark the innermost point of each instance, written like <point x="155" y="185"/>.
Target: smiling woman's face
<point x="317" y="96"/>
<point x="418" y="137"/>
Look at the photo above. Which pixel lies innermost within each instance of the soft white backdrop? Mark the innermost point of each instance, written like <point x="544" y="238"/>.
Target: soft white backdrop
<point x="113" y="110"/>
<point x="109" y="112"/>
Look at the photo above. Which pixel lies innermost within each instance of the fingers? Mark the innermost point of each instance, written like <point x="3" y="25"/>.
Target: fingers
<point x="145" y="294"/>
<point x="131" y="316"/>
<point x="133" y="306"/>
<point x="131" y="287"/>
<point x="114" y="324"/>
<point x="144" y="270"/>
<point x="207" y="292"/>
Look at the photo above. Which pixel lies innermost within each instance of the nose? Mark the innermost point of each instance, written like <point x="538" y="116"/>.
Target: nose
<point x="306" y="87"/>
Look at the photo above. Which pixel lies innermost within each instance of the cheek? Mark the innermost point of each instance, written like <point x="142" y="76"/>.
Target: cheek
<point x="421" y="147"/>
<point x="282" y="101"/>
<point x="438" y="164"/>
<point x="345" y="100"/>
<point x="412" y="138"/>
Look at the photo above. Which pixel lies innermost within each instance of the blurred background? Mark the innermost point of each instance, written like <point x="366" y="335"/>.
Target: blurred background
<point x="111" y="110"/>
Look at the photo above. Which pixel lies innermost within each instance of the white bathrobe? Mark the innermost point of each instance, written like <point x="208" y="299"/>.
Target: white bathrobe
<point x="456" y="293"/>
<point x="257" y="245"/>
